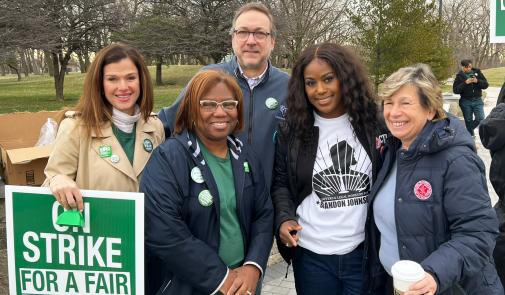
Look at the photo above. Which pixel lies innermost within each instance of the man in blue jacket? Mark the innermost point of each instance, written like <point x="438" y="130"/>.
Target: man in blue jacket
<point x="469" y="83"/>
<point x="263" y="85"/>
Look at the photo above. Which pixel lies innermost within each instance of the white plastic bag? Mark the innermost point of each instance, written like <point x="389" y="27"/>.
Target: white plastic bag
<point x="47" y="132"/>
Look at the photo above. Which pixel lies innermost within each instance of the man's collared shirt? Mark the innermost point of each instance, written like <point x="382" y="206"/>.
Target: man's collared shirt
<point x="253" y="82"/>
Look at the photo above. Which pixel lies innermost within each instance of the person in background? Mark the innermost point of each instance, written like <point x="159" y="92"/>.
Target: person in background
<point x="430" y="203"/>
<point x="209" y="215"/>
<point x="327" y="156"/>
<point x="105" y="141"/>
<point x="469" y="83"/>
<point x="264" y="86"/>
<point x="492" y="135"/>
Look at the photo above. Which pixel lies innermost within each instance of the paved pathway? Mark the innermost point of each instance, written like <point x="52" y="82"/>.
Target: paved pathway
<point x="275" y="282"/>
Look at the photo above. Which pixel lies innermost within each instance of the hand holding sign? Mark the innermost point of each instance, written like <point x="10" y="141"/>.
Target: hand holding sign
<point x="66" y="192"/>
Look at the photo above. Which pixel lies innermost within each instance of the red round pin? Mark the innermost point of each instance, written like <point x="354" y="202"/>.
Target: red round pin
<point x="423" y="190"/>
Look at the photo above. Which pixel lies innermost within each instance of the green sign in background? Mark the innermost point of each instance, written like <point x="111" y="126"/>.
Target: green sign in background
<point x="500" y="19"/>
<point x="108" y="218"/>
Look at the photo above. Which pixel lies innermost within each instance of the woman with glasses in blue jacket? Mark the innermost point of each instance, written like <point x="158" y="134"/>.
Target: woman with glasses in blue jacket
<point x="209" y="216"/>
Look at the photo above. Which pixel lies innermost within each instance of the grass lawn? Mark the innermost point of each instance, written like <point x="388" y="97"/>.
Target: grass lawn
<point x="36" y="93"/>
<point x="495" y="76"/>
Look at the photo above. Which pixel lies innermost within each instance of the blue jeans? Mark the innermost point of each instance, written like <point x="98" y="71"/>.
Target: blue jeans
<point x="472" y="107"/>
<point x="317" y="274"/>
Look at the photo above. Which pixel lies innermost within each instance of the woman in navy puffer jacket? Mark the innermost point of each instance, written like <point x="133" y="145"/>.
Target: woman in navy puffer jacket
<point x="430" y="202"/>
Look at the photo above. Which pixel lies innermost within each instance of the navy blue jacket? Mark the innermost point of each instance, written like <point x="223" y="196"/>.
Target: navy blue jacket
<point x="447" y="226"/>
<point x="181" y="234"/>
<point x="260" y="122"/>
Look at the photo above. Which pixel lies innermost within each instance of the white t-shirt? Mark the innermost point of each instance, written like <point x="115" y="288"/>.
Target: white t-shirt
<point x="333" y="216"/>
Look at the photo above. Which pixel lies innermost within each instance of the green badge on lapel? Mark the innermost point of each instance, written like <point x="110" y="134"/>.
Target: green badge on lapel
<point x="246" y="167"/>
<point x="271" y="103"/>
<point x="205" y="198"/>
<point x="148" y="145"/>
<point x="105" y="151"/>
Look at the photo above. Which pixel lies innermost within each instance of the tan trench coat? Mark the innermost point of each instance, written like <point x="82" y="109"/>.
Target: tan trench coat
<point x="77" y="156"/>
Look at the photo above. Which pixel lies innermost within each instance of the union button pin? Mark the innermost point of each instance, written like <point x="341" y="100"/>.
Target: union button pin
<point x="271" y="103"/>
<point x="148" y="145"/>
<point x="205" y="198"/>
<point x="196" y="175"/>
<point x="114" y="159"/>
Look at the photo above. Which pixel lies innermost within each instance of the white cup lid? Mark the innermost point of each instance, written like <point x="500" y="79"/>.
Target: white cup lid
<point x="407" y="270"/>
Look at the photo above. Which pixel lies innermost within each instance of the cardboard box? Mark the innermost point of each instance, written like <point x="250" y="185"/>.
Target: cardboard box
<point x="21" y="162"/>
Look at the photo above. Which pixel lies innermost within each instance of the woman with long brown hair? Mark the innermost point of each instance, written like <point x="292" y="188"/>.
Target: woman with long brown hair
<point x="105" y="141"/>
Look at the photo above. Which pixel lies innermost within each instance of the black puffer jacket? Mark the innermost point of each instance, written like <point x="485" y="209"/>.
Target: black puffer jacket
<point x="501" y="96"/>
<point x="492" y="135"/>
<point x="471" y="90"/>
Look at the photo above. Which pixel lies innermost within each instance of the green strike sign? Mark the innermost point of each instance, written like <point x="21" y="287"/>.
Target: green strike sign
<point x="497" y="21"/>
<point x="105" y="256"/>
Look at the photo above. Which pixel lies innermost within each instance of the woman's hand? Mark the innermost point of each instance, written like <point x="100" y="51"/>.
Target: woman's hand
<point x="246" y="281"/>
<point x="228" y="282"/>
<point x="66" y="192"/>
<point x="427" y="286"/>
<point x="288" y="233"/>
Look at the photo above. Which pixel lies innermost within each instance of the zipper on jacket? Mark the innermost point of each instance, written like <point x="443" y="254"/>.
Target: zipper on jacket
<point x="251" y="111"/>
<point x="166" y="286"/>
<point x="238" y="205"/>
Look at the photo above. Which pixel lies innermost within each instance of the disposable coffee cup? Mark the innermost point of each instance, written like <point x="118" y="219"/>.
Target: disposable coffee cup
<point x="406" y="273"/>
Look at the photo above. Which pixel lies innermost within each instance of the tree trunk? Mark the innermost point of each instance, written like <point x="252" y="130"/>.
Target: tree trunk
<point x="159" y="63"/>
<point x="86" y="62"/>
<point x="3" y="71"/>
<point x="24" y="64"/>
<point x="15" y="70"/>
<point x="82" y="66"/>
<point x="29" y="60"/>
<point x="41" y="62"/>
<point x="58" y="84"/>
<point x="59" y="77"/>
<point x="50" y="63"/>
<point x="59" y="72"/>
<point x="34" y="63"/>
<point x="83" y="57"/>
<point x="201" y="60"/>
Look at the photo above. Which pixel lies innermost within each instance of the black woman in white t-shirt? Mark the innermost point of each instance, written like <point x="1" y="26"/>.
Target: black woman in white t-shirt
<point x="328" y="153"/>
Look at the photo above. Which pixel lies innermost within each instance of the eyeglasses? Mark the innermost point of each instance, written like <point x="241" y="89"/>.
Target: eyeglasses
<point x="244" y="35"/>
<point x="211" y="105"/>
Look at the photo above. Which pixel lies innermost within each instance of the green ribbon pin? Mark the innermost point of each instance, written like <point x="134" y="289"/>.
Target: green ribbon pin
<point x="71" y="218"/>
<point x="246" y="167"/>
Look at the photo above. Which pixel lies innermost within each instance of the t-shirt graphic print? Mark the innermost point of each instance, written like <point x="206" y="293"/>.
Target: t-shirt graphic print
<point x="333" y="215"/>
<point x="340" y="182"/>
